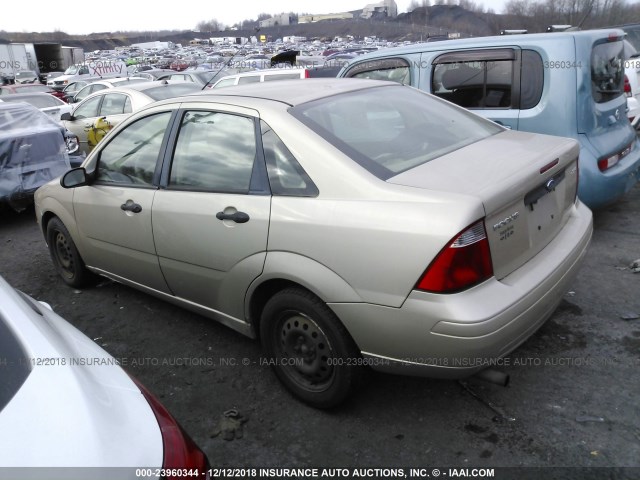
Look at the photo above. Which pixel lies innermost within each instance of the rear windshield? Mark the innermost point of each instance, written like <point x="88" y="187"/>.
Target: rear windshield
<point x="14" y="365"/>
<point x="38" y="101"/>
<point x="607" y="71"/>
<point x="173" y="90"/>
<point x="25" y="75"/>
<point x="391" y="129"/>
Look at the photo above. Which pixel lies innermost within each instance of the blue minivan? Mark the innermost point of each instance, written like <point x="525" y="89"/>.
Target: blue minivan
<point x="569" y="84"/>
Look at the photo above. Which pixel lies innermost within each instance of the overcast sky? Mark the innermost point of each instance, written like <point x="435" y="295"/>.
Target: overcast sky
<point x="126" y="15"/>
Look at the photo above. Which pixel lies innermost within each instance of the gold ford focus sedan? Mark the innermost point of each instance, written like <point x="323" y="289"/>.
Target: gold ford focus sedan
<point x="346" y="223"/>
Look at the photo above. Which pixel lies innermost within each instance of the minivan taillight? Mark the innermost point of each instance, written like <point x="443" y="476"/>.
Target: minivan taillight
<point x="463" y="263"/>
<point x="180" y="451"/>
<point x="606" y="163"/>
<point x="627" y="86"/>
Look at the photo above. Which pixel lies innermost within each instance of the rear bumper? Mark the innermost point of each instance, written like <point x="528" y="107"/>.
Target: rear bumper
<point x="453" y="336"/>
<point x="598" y="189"/>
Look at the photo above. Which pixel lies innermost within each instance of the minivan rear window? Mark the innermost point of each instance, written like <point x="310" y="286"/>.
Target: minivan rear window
<point x="607" y="71"/>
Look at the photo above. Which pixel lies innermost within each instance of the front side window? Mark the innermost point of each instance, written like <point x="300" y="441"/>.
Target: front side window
<point x="130" y="158"/>
<point x="214" y="152"/>
<point x="88" y="109"/>
<point x="607" y="71"/>
<point x="227" y="82"/>
<point x="390" y="69"/>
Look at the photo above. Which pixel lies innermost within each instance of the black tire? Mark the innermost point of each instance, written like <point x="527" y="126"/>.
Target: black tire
<point x="64" y="254"/>
<point x="310" y="351"/>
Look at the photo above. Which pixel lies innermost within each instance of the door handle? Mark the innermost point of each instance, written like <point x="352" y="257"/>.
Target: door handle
<point x="131" y="206"/>
<point x="238" y="217"/>
<point x="508" y="127"/>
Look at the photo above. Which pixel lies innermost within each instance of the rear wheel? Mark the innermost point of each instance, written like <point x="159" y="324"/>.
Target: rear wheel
<point x="65" y="256"/>
<point x="311" y="352"/>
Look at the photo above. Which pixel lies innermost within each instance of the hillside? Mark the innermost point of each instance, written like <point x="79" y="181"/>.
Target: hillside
<point x="414" y="26"/>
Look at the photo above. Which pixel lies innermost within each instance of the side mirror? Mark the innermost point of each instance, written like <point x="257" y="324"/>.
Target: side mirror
<point x="76" y="177"/>
<point x="65" y="116"/>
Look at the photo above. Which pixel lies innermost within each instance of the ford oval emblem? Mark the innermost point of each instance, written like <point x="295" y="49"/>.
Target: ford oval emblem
<point x="551" y="185"/>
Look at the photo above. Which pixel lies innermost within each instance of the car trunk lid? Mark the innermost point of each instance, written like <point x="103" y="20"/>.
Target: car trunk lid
<point x="526" y="182"/>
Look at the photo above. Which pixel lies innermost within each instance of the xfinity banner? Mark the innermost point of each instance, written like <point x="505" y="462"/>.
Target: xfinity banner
<point x="104" y="68"/>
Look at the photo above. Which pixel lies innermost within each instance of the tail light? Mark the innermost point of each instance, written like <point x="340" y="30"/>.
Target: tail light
<point x="606" y="163"/>
<point x="180" y="451"/>
<point x="465" y="262"/>
<point x="627" y="86"/>
<point x="306" y="73"/>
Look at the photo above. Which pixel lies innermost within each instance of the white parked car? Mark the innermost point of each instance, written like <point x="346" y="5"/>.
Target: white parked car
<point x="632" y="83"/>
<point x="66" y="403"/>
<point x="52" y="106"/>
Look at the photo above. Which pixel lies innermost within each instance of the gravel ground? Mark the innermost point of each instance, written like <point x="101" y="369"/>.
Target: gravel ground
<point x="572" y="400"/>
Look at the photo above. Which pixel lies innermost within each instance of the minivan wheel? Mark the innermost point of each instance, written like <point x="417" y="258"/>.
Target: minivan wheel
<point x="65" y="256"/>
<point x="310" y="351"/>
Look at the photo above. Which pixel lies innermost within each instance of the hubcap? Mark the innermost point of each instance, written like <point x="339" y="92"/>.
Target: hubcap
<point x="63" y="254"/>
<point x="304" y="351"/>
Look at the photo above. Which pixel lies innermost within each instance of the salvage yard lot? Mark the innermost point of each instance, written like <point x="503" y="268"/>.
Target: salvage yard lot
<point x="572" y="400"/>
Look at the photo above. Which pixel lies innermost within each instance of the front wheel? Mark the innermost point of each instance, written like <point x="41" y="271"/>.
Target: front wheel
<point x="311" y="352"/>
<point x="65" y="256"/>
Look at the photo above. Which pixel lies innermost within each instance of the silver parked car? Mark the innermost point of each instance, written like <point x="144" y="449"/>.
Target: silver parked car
<point x="93" y="117"/>
<point x="345" y="223"/>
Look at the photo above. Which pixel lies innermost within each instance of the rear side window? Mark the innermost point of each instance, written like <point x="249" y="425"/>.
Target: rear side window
<point x="286" y="175"/>
<point x="475" y="83"/>
<point x="532" y="79"/>
<point x="607" y="71"/>
<point x="391" y="69"/>
<point x="249" y="79"/>
<point x="114" y="104"/>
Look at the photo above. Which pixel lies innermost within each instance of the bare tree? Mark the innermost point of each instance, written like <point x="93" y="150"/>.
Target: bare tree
<point x="212" y="25"/>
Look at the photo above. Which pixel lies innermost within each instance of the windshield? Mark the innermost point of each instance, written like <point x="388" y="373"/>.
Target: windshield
<point x="25" y="74"/>
<point x="391" y="129"/>
<point x="15" y="367"/>
<point x="72" y="70"/>
<point x="607" y="71"/>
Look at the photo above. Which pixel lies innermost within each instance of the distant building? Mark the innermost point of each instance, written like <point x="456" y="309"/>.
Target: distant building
<point x="293" y="39"/>
<point x="327" y="16"/>
<point x="383" y="9"/>
<point x="284" y="19"/>
<point x="154" y="45"/>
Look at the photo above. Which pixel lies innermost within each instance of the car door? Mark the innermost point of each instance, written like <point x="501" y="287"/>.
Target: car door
<point x="113" y="214"/>
<point x="82" y="119"/>
<point x="211" y="218"/>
